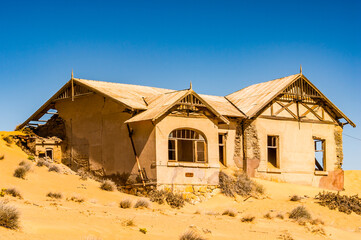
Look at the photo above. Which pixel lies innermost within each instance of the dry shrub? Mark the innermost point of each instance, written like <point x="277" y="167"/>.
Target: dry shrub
<point x="343" y="203"/>
<point x="9" y="216"/>
<point x="280" y="216"/>
<point x="241" y="185"/>
<point x="300" y="212"/>
<point x="30" y="157"/>
<point x="25" y="164"/>
<point x="20" y="172"/>
<point x="54" y="168"/>
<point x="268" y="216"/>
<point x="8" y="139"/>
<point x="191" y="235"/>
<point x="2" y="192"/>
<point x="248" y="218"/>
<point x="77" y="199"/>
<point x="41" y="162"/>
<point x="174" y="200"/>
<point x="129" y="223"/>
<point x="316" y="221"/>
<point x="230" y="212"/>
<point x="295" y="198"/>
<point x="142" y="203"/>
<point x="126" y="203"/>
<point x="2" y="157"/>
<point x="54" y="195"/>
<point x="13" y="192"/>
<point x="143" y="230"/>
<point x="286" y="236"/>
<point x="108" y="185"/>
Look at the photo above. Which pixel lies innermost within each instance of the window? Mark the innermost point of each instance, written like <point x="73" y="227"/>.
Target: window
<point x="185" y="145"/>
<point x="272" y="151"/>
<point x="222" y="148"/>
<point x="320" y="163"/>
<point x="49" y="153"/>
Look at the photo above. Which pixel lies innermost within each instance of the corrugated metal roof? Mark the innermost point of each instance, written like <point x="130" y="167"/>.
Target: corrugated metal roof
<point x="253" y="98"/>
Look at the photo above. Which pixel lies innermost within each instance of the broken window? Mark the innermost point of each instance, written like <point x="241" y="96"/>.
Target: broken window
<point x="272" y="151"/>
<point x="222" y="148"/>
<point x="185" y="145"/>
<point x="319" y="154"/>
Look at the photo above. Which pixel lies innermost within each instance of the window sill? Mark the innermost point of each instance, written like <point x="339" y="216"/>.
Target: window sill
<point x="273" y="170"/>
<point x="188" y="164"/>
<point x="321" y="173"/>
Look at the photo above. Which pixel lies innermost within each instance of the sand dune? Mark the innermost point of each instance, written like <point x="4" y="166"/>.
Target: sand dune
<point x="100" y="216"/>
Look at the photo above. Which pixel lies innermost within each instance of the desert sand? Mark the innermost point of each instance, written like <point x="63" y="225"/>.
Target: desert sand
<point x="100" y="216"/>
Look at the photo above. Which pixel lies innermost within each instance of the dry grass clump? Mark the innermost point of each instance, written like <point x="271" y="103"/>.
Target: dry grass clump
<point x="41" y="162"/>
<point x="317" y="221"/>
<point x="241" y="184"/>
<point x="142" y="203"/>
<point x="8" y="139"/>
<point x="248" y="218"/>
<point x="280" y="216"/>
<point x="2" y="157"/>
<point x="25" y="164"/>
<point x="286" y="236"/>
<point x="54" y="195"/>
<point x="174" y="200"/>
<point x="143" y="230"/>
<point x="191" y="235"/>
<point x="54" y="168"/>
<point x="75" y="198"/>
<point x="300" y="212"/>
<point x="9" y="216"/>
<point x="108" y="185"/>
<point x="343" y="203"/>
<point x="230" y="212"/>
<point x="125" y="203"/>
<point x="268" y="216"/>
<point x="13" y="192"/>
<point x="129" y="223"/>
<point x="295" y="198"/>
<point x="20" y="172"/>
<point x="31" y="158"/>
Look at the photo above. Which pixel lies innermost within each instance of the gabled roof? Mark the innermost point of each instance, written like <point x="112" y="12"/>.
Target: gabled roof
<point x="158" y="106"/>
<point x="252" y="99"/>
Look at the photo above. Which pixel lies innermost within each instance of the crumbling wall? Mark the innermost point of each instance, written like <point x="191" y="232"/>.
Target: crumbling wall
<point x="339" y="147"/>
<point x="238" y="154"/>
<point x="54" y="127"/>
<point x="252" y="141"/>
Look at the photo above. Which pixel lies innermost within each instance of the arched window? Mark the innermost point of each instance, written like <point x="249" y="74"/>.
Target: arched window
<point x="185" y="145"/>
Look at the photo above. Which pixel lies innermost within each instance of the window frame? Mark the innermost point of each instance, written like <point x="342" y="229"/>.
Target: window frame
<point x="323" y="150"/>
<point x="277" y="147"/>
<point x="187" y="134"/>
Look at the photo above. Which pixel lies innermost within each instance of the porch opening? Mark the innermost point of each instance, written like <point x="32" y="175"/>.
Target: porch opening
<point x="320" y="164"/>
<point x="49" y="153"/>
<point x="272" y="151"/>
<point x="185" y="145"/>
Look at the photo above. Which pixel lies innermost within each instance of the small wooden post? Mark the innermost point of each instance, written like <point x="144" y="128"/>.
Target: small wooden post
<point x="72" y="85"/>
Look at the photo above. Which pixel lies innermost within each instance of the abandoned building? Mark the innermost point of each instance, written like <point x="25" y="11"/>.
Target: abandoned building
<point x="284" y="130"/>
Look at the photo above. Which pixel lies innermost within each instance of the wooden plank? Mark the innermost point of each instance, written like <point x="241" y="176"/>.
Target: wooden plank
<point x="312" y="111"/>
<point x="285" y="107"/>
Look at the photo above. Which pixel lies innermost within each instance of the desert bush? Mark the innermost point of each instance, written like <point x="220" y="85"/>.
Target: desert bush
<point x="295" y="198"/>
<point x="108" y="185"/>
<point x="129" y="223"/>
<point x="191" y="235"/>
<point x="54" y="168"/>
<point x="8" y="139"/>
<point x="241" y="185"/>
<point x="30" y="157"/>
<point x="2" y="157"/>
<point x="13" y="192"/>
<point x="142" y="203"/>
<point x="157" y="196"/>
<point x="174" y="200"/>
<point x="143" y="230"/>
<point x="2" y="192"/>
<point x="25" y="164"/>
<point x="41" y="162"/>
<point x="316" y="221"/>
<point x="268" y="216"/>
<point x="77" y="199"/>
<point x="300" y="212"/>
<point x="9" y="216"/>
<point x="54" y="195"/>
<point x="248" y="218"/>
<point x="125" y="203"/>
<point x="343" y="203"/>
<point x="20" y="172"/>
<point x="229" y="212"/>
<point x="280" y="216"/>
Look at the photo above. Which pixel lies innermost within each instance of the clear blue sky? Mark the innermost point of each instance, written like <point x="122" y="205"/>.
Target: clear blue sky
<point x="221" y="46"/>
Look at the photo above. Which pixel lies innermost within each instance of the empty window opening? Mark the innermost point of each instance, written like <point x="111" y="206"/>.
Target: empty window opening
<point x="49" y="153"/>
<point x="185" y="145"/>
<point x="222" y="148"/>
<point x="272" y="151"/>
<point x="319" y="154"/>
